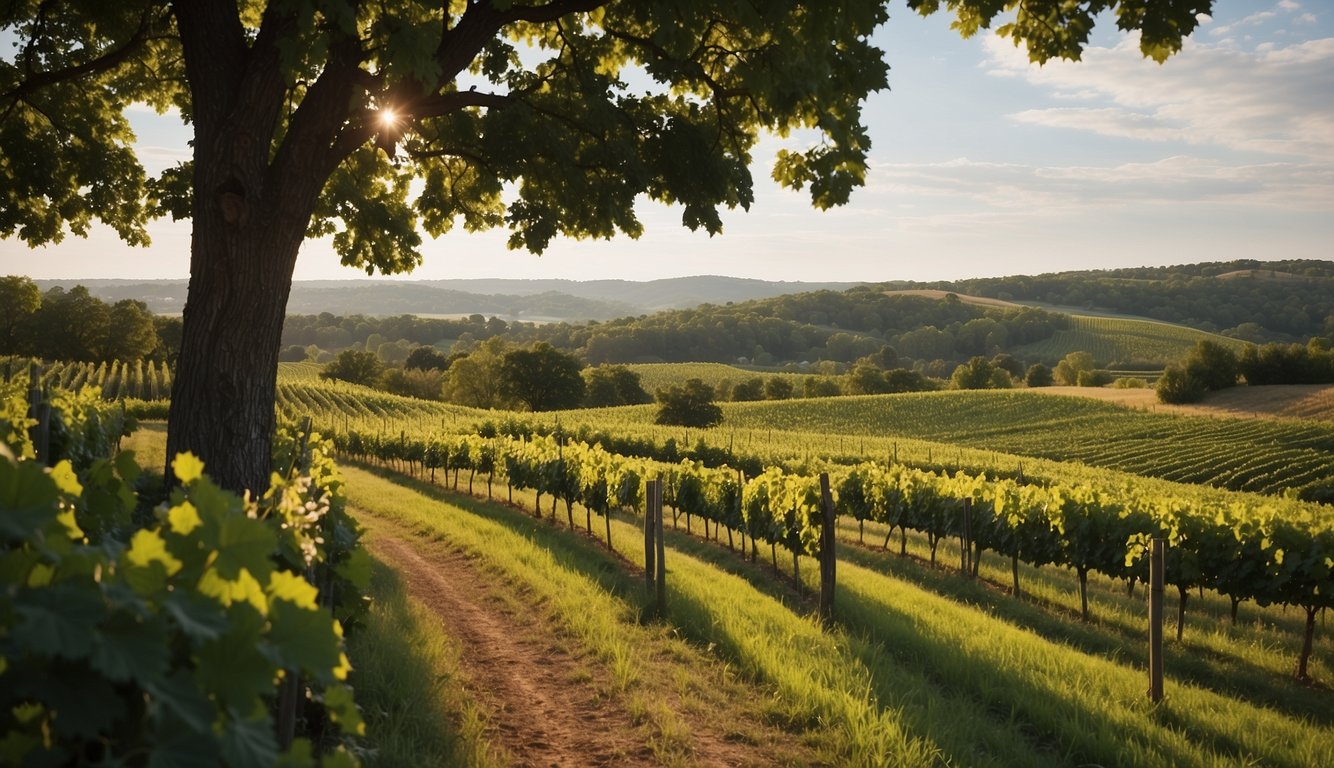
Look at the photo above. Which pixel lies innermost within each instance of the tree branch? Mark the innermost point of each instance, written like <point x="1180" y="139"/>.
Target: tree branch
<point x="105" y="62"/>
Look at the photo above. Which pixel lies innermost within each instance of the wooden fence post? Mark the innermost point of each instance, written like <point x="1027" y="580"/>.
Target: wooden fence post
<point x="650" y="550"/>
<point x="1156" y="620"/>
<point x="39" y="409"/>
<point x="661" y="565"/>
<point x="966" y="539"/>
<point x="827" y="554"/>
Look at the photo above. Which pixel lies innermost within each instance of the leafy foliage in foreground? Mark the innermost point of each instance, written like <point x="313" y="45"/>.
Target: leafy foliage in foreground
<point x="164" y="644"/>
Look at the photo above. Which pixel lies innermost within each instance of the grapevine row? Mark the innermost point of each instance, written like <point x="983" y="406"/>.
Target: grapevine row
<point x="1264" y="553"/>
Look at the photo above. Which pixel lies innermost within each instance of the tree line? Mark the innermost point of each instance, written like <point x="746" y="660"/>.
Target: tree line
<point x="74" y="325"/>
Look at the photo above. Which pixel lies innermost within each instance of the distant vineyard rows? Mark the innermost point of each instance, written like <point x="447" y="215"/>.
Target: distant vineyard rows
<point x="136" y="380"/>
<point x="1120" y="340"/>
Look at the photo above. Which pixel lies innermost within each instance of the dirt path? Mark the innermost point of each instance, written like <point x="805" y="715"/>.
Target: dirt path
<point x="545" y="706"/>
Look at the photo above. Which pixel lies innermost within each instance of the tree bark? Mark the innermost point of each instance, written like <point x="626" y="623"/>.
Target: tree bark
<point x="251" y="205"/>
<point x="242" y="253"/>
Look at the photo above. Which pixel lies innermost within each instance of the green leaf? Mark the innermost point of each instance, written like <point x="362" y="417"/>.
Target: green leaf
<point x="250" y="742"/>
<point x="198" y="617"/>
<point x="147" y="563"/>
<point x="27" y="499"/>
<point x="187" y="467"/>
<point x="128" y="649"/>
<point x="288" y="586"/>
<point x="244" y="543"/>
<point x="182" y="748"/>
<point x="234" y="666"/>
<point x="58" y="620"/>
<point x="304" y="638"/>
<point x="343" y="710"/>
<point x="177" y="701"/>
<point x="299" y="755"/>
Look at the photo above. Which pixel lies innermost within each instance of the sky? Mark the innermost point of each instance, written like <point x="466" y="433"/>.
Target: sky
<point x="982" y="164"/>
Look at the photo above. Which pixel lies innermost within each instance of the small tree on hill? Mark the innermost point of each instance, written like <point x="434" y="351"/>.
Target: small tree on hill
<point x="1213" y="364"/>
<point x="354" y="366"/>
<point x="542" y="378"/>
<point x="1179" y="385"/>
<point x="609" y="385"/>
<point x="1068" y="370"/>
<point x="426" y="359"/>
<point x="975" y="374"/>
<point x="689" y="405"/>
<point x="1038" y="375"/>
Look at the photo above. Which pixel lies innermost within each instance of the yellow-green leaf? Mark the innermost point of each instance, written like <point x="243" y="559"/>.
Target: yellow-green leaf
<point x="187" y="467"/>
<point x="147" y="547"/>
<point x="284" y="585"/>
<point x="66" y="480"/>
<point x="183" y="518"/>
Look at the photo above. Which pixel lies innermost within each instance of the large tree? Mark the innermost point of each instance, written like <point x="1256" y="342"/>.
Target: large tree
<point x="548" y="117"/>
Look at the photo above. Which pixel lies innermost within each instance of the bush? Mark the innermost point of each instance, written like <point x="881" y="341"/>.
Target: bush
<point x="1038" y="375"/>
<point x="1177" y="385"/>
<point x="163" y="644"/>
<point x="1130" y="382"/>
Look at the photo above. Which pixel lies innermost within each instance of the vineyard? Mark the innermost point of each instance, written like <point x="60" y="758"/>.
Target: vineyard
<point x="923" y="668"/>
<point x="1122" y="340"/>
<point x="137" y="380"/>
<point x="656" y="376"/>
<point x="1281" y="552"/>
<point x="1258" y="455"/>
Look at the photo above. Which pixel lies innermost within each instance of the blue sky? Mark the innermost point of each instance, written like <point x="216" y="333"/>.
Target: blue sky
<point x="982" y="164"/>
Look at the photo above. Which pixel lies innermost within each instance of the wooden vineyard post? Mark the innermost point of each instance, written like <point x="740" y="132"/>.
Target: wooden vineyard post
<point x="827" y="555"/>
<point x="649" y="548"/>
<point x="660" y="565"/>
<point x="1156" y="620"/>
<point x="39" y="410"/>
<point x="966" y="539"/>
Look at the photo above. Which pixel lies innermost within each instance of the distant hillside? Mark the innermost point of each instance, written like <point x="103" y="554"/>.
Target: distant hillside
<point x="1249" y="300"/>
<point x="536" y="300"/>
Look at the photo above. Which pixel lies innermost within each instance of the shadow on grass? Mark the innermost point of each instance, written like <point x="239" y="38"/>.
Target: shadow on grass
<point x="1202" y="668"/>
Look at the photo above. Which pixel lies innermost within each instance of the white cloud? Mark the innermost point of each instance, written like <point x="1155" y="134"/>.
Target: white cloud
<point x="1273" y="99"/>
<point x="1250" y="21"/>
<point x="972" y="187"/>
<point x="1289" y="5"/>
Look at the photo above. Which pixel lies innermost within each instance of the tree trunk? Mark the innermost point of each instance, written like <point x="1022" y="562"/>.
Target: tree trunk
<point x="1235" y="602"/>
<point x="1307" y="641"/>
<point x="260" y="162"/>
<point x="1014" y="571"/>
<point x="243" y="249"/>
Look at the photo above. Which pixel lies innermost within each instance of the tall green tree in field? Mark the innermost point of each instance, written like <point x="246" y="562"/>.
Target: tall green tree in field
<point x="546" y="117"/>
<point x="21" y="298"/>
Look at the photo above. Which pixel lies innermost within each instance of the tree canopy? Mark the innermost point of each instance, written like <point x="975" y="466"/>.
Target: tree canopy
<point x="688" y="405"/>
<point x="371" y="123"/>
